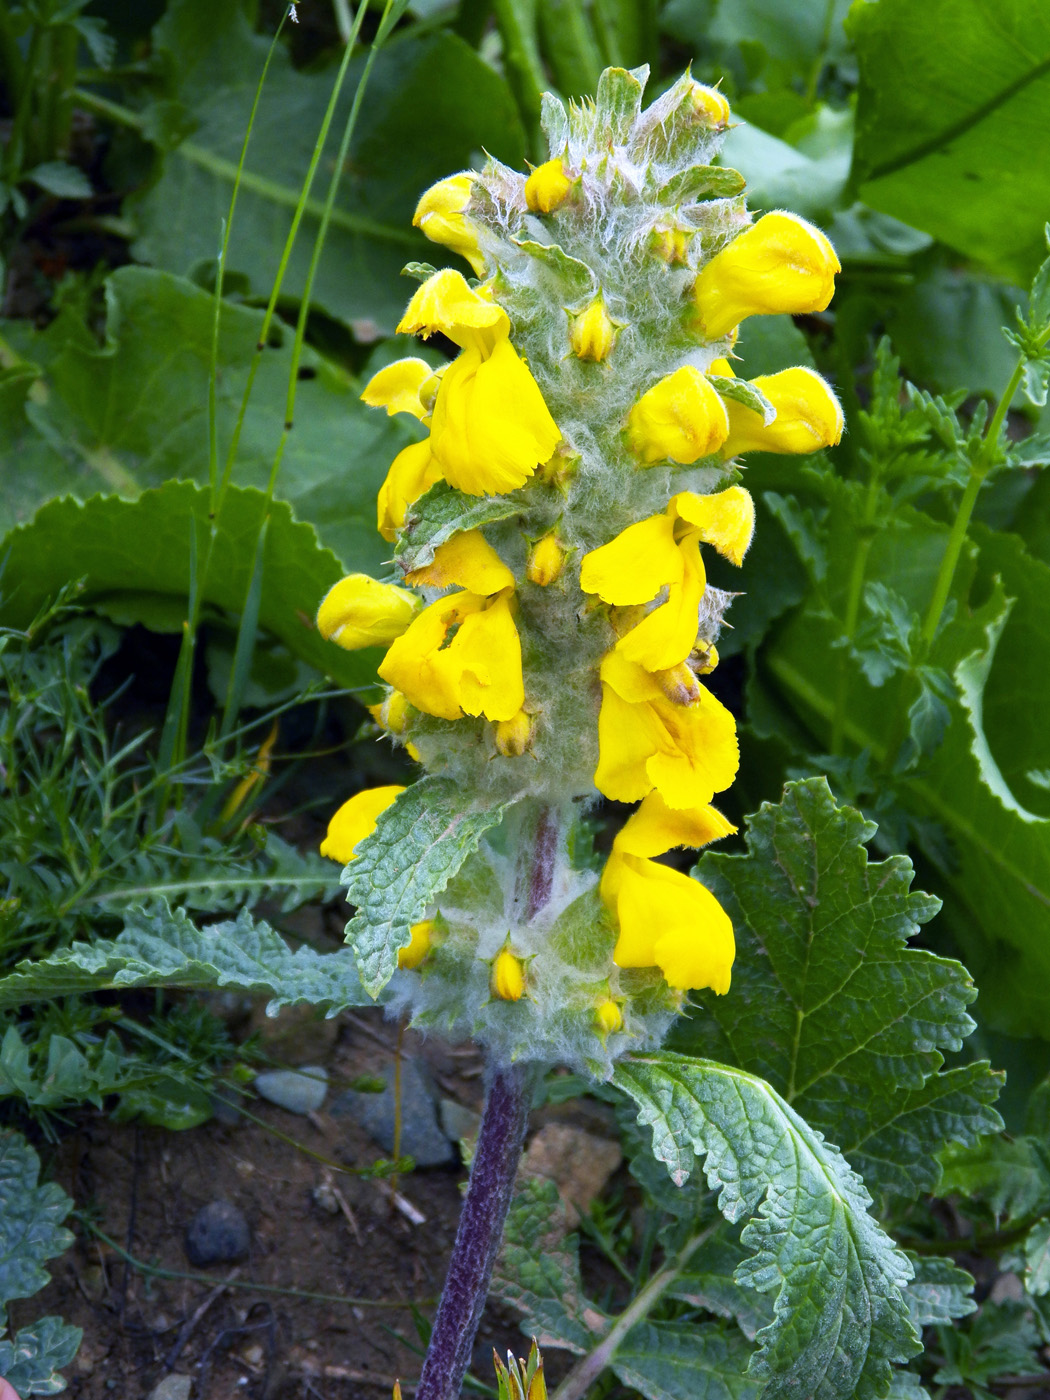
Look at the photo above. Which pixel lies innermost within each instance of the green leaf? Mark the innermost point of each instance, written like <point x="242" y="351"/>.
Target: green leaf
<point x="30" y="1362"/>
<point x="1002" y="1340"/>
<point x="442" y="513"/>
<point x="31" y="1215"/>
<point x="1037" y="1258"/>
<point x="947" y="134"/>
<point x="163" y="948"/>
<point x="699" y="182"/>
<point x="431" y="105"/>
<point x="685" y="1361"/>
<point x="830" y="1004"/>
<point x="840" y="1318"/>
<point x="618" y="101"/>
<point x="133" y="413"/>
<point x="61" y="179"/>
<point x="741" y="391"/>
<point x="134" y="558"/>
<point x="711" y="1284"/>
<point x="939" y="1292"/>
<point x="780" y="175"/>
<point x="793" y="38"/>
<point x="417" y="846"/>
<point x="1011" y="1174"/>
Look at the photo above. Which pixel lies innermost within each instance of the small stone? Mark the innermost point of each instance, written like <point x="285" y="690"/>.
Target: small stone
<point x="1007" y="1288"/>
<point x="217" y="1234"/>
<point x="297" y="1034"/>
<point x="421" y="1135"/>
<point x="324" y="1197"/>
<point x="173" y="1387"/>
<point x="458" y="1121"/>
<point x="577" y="1162"/>
<point x="297" y="1090"/>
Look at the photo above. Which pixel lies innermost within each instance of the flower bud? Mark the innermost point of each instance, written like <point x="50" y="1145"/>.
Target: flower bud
<point x="679" y="684"/>
<point x="392" y="713"/>
<point x="547" y="188"/>
<point x="508" y="977"/>
<point x="670" y="243"/>
<point x="361" y="612"/>
<point x="559" y="469"/>
<point x="413" y="953"/>
<point x="439" y="214"/>
<point x="706" y="658"/>
<point x="709" y="106"/>
<point x="546" y="561"/>
<point x="781" y="263"/>
<point x="809" y="416"/>
<point x="681" y="418"/>
<point x="608" y="1016"/>
<point x="514" y="735"/>
<point x="592" y="334"/>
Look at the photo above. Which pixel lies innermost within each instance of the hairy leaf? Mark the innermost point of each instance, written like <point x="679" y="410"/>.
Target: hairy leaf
<point x="31" y="1215"/>
<point x="840" y="1318"/>
<point x="685" y="1361"/>
<point x="939" y="1292"/>
<point x="31" y="1360"/>
<point x="418" y="845"/>
<point x="830" y="1004"/>
<point x="442" y="513"/>
<point x="162" y="947"/>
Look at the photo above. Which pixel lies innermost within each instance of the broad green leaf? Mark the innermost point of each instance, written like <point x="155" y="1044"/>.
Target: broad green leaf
<point x="780" y="175"/>
<point x="1011" y="1174"/>
<point x="794" y="38"/>
<point x="134" y="551"/>
<point x="685" y="1361"/>
<point x="31" y="1360"/>
<point x="164" y="948"/>
<point x="133" y="413"/>
<point x="444" y="511"/>
<point x="432" y="105"/>
<point x="840" y="1318"/>
<point x="31" y="1215"/>
<point x="418" y="845"/>
<point x="710" y="1283"/>
<point x="939" y="1292"/>
<point x="1037" y="1258"/>
<point x="1002" y="1340"/>
<point x="830" y="1005"/>
<point x="949" y="134"/>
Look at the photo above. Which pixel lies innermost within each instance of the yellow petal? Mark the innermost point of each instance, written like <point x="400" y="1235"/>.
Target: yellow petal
<point x="628" y="736"/>
<point x="468" y="561"/>
<point x="781" y="263"/>
<point x="592" y="334"/>
<point x="446" y="303"/>
<point x="809" y="416"/>
<point x="547" y="187"/>
<point x="725" y="519"/>
<point x="508" y="977"/>
<point x="681" y="418"/>
<point x="491" y="428"/>
<point x="608" y="1016"/>
<point x="668" y="634"/>
<point x="392" y="713"/>
<point x="655" y="828"/>
<point x="412" y="473"/>
<point x="355" y="820"/>
<point x="460" y="655"/>
<point x="396" y="387"/>
<point x="361" y="612"/>
<point x="422" y="936"/>
<point x="635" y="565"/>
<point x="440" y="216"/>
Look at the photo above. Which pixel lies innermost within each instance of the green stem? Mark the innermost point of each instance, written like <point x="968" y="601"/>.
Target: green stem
<point x="818" y="63"/>
<point x="61" y="80"/>
<point x="854" y="593"/>
<point x="16" y="146"/>
<point x="590" y="1367"/>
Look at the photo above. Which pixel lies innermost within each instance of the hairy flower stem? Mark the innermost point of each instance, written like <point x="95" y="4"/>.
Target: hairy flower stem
<point x="478" y="1237"/>
<point x="586" y="1371"/>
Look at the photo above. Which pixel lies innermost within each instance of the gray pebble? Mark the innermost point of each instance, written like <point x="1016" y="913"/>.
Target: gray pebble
<point x="421" y="1135"/>
<point x="173" y="1387"/>
<point x="297" y="1090"/>
<point x="217" y="1234"/>
<point x="458" y="1121"/>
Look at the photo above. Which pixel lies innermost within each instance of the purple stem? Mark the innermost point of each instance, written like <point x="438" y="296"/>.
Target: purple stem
<point x="478" y="1238"/>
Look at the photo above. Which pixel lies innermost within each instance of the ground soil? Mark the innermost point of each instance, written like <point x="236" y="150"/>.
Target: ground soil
<point x="140" y="1186"/>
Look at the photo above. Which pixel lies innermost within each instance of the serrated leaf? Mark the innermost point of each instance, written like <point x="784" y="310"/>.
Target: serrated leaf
<point x="442" y="513"/>
<point x="742" y="391"/>
<point x="840" y="1318"/>
<point x="31" y="1360"/>
<point x="700" y="182"/>
<point x="1011" y="1174"/>
<point x="162" y="947"/>
<point x="31" y="1215"/>
<point x="939" y="1292"/>
<point x="1002" y="1340"/>
<point x="830" y="1005"/>
<point x="685" y="1361"/>
<point x="712" y="1285"/>
<point x="417" y="846"/>
<point x="576" y="281"/>
<point x="618" y="101"/>
<point x="126" y="548"/>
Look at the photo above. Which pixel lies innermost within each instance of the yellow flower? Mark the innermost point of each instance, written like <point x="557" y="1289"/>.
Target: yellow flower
<point x="440" y="216"/>
<point x="412" y="473"/>
<point x="547" y="187"/>
<point x="646" y="741"/>
<point x="514" y="735"/>
<point x="508" y="977"/>
<point x="460" y="656"/>
<point x="681" y="418"/>
<point x="413" y="953"/>
<point x="608" y="1016"/>
<point x="355" y="820"/>
<point x="809" y="416"/>
<point x="781" y="263"/>
<point x="361" y="612"/>
<point x="398" y="387"/>
<point x="664" y="552"/>
<point x="592" y="334"/>
<point x="391" y="713"/>
<point x="546" y="561"/>
<point x="446" y="303"/>
<point x="467" y="560"/>
<point x="666" y="919"/>
<point x="491" y="428"/>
